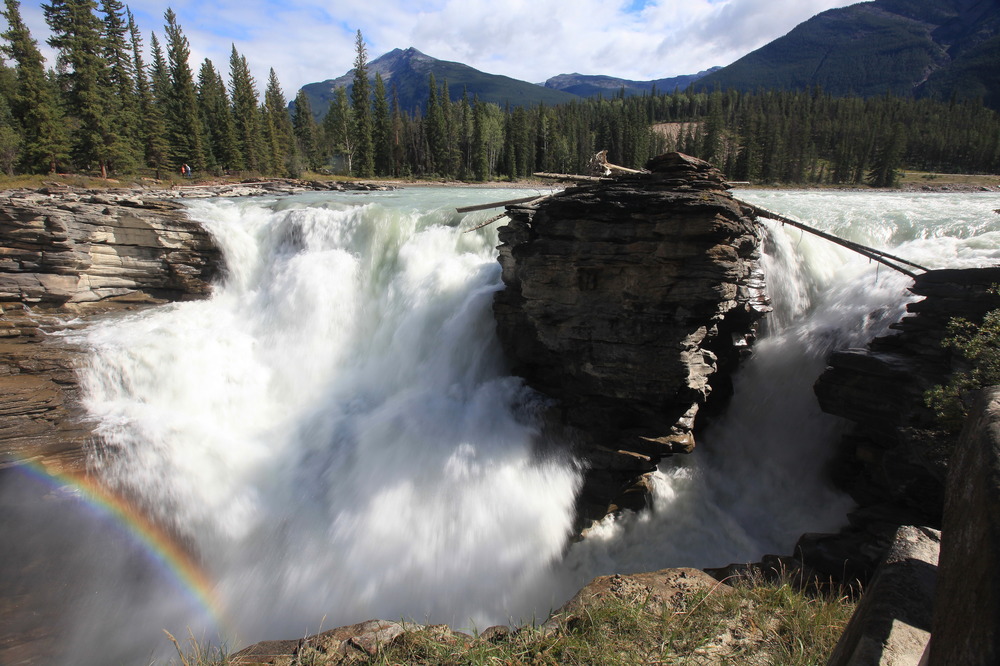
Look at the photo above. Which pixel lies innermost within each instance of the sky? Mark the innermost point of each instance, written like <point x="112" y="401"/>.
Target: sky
<point x="313" y="40"/>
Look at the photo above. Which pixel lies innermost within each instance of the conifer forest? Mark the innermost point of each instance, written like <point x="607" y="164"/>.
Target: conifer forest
<point x="110" y="107"/>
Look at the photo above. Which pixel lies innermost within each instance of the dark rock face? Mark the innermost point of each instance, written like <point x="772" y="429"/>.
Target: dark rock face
<point x="623" y="301"/>
<point x="897" y="456"/>
<point x="966" y="627"/>
<point x="895" y="460"/>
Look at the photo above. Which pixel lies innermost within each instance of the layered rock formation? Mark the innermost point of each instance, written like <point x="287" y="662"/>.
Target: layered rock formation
<point x="897" y="455"/>
<point x="623" y="301"/>
<point x="895" y="460"/>
<point x="65" y="253"/>
<point x="86" y="248"/>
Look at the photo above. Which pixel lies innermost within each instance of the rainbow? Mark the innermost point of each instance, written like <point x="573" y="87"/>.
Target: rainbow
<point x="159" y="545"/>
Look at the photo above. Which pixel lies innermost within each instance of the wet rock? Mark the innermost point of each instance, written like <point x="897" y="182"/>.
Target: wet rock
<point x="630" y="302"/>
<point x="897" y="455"/>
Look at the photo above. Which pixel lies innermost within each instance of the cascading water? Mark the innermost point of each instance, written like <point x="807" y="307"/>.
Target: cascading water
<point x="334" y="435"/>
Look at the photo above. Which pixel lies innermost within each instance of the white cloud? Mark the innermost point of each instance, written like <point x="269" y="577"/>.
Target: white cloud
<point x="313" y="40"/>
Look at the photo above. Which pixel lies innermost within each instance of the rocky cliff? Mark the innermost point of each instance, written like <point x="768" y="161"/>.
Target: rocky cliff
<point x="629" y="302"/>
<point x="66" y="253"/>
<point x="895" y="459"/>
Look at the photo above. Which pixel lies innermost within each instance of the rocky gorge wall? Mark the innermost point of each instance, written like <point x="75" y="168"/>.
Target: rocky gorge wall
<point x="895" y="459"/>
<point x="629" y="302"/>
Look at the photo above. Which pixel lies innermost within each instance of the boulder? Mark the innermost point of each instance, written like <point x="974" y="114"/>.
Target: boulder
<point x="892" y="623"/>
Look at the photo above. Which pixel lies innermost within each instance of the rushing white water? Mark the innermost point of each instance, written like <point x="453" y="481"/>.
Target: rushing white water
<point x="335" y="434"/>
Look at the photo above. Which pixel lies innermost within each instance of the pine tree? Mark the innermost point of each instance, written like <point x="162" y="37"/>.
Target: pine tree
<point x="123" y="104"/>
<point x="364" y="162"/>
<point x="276" y="109"/>
<point x="243" y="91"/>
<point x="382" y="130"/>
<point x="213" y="104"/>
<point x="157" y="141"/>
<point x="304" y="127"/>
<point x="76" y="34"/>
<point x="437" y="131"/>
<point x="338" y="129"/>
<point x="43" y="144"/>
<point x="183" y="124"/>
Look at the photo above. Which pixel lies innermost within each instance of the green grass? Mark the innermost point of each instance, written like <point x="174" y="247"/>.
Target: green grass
<point x="751" y="623"/>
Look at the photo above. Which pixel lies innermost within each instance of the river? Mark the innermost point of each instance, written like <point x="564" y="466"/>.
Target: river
<point x="334" y="436"/>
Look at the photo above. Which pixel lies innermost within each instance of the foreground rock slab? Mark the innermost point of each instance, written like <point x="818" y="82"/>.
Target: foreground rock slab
<point x="966" y="627"/>
<point x="892" y="624"/>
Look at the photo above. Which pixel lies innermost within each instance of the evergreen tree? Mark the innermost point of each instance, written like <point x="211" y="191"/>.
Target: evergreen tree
<point x="124" y="105"/>
<point x="437" y="129"/>
<point x="885" y="169"/>
<point x="246" y="118"/>
<point x="216" y="117"/>
<point x="157" y="141"/>
<point x="382" y="130"/>
<point x="338" y="128"/>
<point x="276" y="109"/>
<point x="10" y="136"/>
<point x="76" y="34"/>
<point x="304" y="127"/>
<point x="183" y="124"/>
<point x="364" y="161"/>
<point x="43" y="144"/>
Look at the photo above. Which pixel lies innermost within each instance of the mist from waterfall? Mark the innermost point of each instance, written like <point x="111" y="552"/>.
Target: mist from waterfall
<point x="335" y="436"/>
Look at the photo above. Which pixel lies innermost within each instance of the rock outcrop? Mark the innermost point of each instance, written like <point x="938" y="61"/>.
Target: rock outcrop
<point x="69" y="253"/>
<point x="892" y="623"/>
<point x="629" y="302"/>
<point x="657" y="593"/>
<point x="895" y="460"/>
<point x="88" y="248"/>
<point x="966" y="625"/>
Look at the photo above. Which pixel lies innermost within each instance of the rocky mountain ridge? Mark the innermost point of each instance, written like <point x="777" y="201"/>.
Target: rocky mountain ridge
<point x="590" y="85"/>
<point x="408" y="70"/>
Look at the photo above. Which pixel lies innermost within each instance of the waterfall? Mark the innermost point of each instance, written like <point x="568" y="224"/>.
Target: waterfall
<point x="334" y="434"/>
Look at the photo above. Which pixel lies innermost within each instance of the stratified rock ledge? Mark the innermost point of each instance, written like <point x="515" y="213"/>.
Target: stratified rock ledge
<point x="629" y="302"/>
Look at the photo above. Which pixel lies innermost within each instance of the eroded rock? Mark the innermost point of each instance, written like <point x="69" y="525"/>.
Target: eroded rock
<point x="629" y="302"/>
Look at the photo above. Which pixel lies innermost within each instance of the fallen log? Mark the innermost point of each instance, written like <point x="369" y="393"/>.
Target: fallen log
<point x="487" y="222"/>
<point x="570" y="176"/>
<point x="880" y="256"/>
<point x="496" y="204"/>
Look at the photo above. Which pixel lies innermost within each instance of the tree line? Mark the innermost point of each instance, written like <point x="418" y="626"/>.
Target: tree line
<point x="104" y="109"/>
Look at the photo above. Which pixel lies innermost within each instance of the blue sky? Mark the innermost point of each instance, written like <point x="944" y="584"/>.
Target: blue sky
<point x="313" y="40"/>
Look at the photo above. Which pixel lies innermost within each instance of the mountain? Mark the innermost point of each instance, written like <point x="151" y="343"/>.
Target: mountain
<point x="919" y="47"/>
<point x="586" y="85"/>
<point x="409" y="69"/>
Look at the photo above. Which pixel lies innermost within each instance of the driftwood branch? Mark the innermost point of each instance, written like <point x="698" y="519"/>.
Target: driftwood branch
<point x="883" y="258"/>
<point x="570" y="176"/>
<point x="497" y="204"/>
<point x="487" y="222"/>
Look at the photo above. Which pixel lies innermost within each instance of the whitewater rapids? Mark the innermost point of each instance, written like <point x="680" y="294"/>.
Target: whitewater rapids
<point x="335" y="435"/>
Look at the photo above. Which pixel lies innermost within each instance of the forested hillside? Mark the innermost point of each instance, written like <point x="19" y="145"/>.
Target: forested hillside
<point x="937" y="48"/>
<point x="104" y="110"/>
